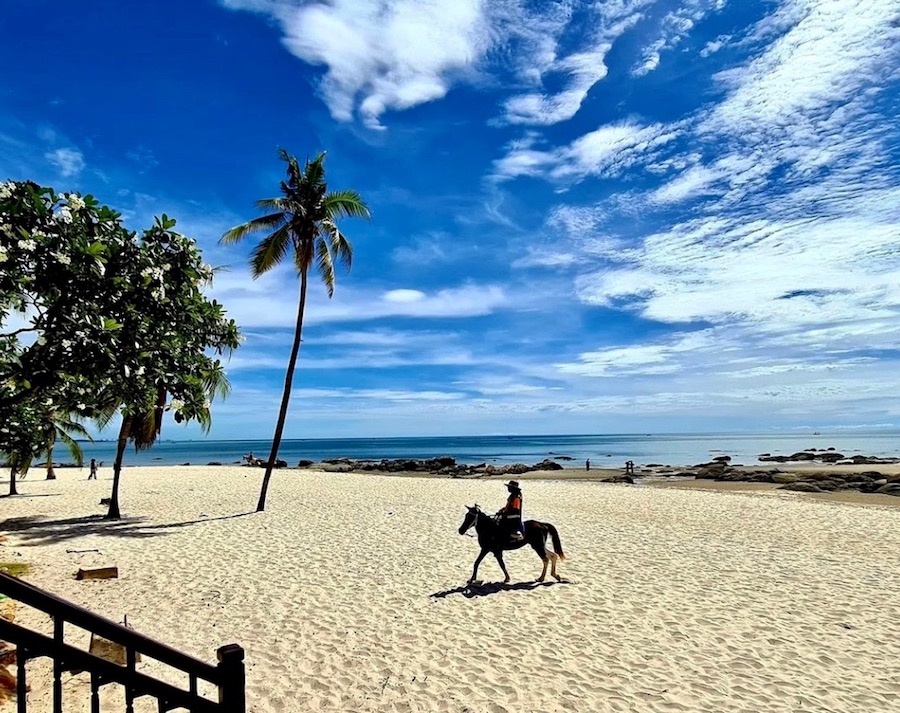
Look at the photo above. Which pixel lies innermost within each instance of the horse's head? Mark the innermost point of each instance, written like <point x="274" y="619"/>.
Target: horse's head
<point x="470" y="518"/>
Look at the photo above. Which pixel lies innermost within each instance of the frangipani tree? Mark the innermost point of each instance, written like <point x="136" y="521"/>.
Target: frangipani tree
<point x="93" y="319"/>
<point x="166" y="365"/>
<point x="302" y="222"/>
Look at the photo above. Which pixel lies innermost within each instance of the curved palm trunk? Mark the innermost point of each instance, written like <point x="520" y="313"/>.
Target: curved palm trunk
<point x="114" y="513"/>
<point x="12" y="481"/>
<point x="286" y="396"/>
<point x="51" y="474"/>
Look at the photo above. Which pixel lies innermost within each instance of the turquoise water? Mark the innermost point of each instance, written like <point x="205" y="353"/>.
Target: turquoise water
<point x="603" y="450"/>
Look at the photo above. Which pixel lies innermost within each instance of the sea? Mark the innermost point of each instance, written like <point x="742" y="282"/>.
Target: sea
<point x="603" y="450"/>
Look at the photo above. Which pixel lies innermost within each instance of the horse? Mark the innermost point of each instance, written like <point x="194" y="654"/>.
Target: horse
<point x="493" y="539"/>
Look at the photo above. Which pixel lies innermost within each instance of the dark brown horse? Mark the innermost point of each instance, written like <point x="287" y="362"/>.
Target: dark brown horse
<point x="493" y="539"/>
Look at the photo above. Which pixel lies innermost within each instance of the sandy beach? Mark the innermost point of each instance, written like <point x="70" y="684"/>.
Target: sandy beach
<point x="349" y="592"/>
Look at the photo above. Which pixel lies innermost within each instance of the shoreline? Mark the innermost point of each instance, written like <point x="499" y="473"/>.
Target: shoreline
<point x="659" y="478"/>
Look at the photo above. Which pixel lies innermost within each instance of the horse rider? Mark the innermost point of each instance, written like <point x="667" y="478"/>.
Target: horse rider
<point x="510" y="515"/>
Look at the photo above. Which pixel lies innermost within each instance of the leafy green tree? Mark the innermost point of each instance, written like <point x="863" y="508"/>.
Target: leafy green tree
<point x="165" y="344"/>
<point x="64" y="261"/>
<point x="93" y="319"/>
<point x="302" y="221"/>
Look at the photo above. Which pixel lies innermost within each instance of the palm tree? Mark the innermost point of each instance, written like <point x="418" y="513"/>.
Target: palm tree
<point x="302" y="219"/>
<point x="61" y="427"/>
<point x="142" y="425"/>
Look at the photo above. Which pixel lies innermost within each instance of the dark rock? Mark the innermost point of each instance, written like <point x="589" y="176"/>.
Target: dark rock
<point x="618" y="479"/>
<point x="304" y="463"/>
<point x="802" y="487"/>
<point x="890" y="489"/>
<point x="547" y="464"/>
<point x="831" y="457"/>
<point x="711" y="471"/>
<point x="214" y="462"/>
<point x="722" y="459"/>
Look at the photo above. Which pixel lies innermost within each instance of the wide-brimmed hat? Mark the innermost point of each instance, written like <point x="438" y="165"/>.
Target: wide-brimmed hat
<point x="513" y="484"/>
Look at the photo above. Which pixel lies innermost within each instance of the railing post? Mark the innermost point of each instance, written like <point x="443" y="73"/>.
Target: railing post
<point x="232" y="698"/>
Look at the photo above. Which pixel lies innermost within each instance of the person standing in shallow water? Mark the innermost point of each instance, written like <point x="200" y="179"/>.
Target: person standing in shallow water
<point x="511" y="514"/>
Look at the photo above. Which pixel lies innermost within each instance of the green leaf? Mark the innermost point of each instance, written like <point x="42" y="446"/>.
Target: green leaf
<point x="95" y="249"/>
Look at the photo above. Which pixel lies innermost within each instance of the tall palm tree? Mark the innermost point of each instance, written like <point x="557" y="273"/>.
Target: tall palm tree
<point x="303" y="220"/>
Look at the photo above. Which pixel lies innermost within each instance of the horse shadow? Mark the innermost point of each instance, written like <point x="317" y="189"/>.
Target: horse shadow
<point x="473" y="589"/>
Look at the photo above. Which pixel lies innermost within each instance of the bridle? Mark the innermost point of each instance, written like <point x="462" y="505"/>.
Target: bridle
<point x="474" y="512"/>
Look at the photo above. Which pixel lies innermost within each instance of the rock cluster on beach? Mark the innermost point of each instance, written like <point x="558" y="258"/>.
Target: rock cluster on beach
<point x="826" y="455"/>
<point x="443" y="465"/>
<point x="821" y="482"/>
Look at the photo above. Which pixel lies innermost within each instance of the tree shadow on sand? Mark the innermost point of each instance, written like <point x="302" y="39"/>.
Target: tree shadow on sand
<point x="36" y="530"/>
<point x="470" y="591"/>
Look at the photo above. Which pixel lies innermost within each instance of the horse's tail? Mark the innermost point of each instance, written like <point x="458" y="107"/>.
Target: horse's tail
<point x="557" y="544"/>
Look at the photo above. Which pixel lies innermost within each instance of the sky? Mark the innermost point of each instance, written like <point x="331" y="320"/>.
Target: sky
<point x="587" y="217"/>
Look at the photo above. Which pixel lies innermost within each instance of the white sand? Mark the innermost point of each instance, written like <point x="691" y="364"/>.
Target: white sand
<point x="682" y="601"/>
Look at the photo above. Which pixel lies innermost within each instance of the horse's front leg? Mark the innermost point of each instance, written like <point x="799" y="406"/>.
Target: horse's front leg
<point x="499" y="555"/>
<point x="478" y="559"/>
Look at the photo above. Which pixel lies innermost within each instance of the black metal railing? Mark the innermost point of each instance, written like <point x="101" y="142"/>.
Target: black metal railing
<point x="227" y="676"/>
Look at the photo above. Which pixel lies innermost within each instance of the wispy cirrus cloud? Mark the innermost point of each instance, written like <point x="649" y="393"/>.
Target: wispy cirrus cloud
<point x="606" y="151"/>
<point x="673" y="27"/>
<point x="68" y="161"/>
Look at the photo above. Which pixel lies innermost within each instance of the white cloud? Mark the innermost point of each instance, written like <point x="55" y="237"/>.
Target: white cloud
<point x="830" y="52"/>
<point x="576" y="70"/>
<point x="641" y="359"/>
<point x="606" y="151"/>
<point x="381" y="56"/>
<point x="404" y="296"/>
<point x="69" y="161"/>
<point x="270" y="301"/>
<point x="377" y="395"/>
<point x="674" y="27"/>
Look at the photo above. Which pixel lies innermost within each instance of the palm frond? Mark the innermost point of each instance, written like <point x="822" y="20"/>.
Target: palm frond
<point x="72" y="446"/>
<point x="270" y="251"/>
<point x="280" y="204"/>
<point x="314" y="173"/>
<point x="345" y="204"/>
<point x="215" y="382"/>
<point x="325" y="265"/>
<point x="340" y="246"/>
<point x="263" y="222"/>
<point x="107" y="408"/>
<point x="144" y="430"/>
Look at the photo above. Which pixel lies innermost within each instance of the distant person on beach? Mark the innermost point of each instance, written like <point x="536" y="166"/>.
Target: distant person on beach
<point x="510" y="515"/>
<point x="629" y="467"/>
<point x="93" y="474"/>
<point x="587" y="464"/>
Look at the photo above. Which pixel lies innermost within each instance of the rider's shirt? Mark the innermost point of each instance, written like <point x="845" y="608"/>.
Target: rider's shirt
<point x="513" y="508"/>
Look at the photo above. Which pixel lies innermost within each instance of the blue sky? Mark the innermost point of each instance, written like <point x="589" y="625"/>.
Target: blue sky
<point x="622" y="216"/>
